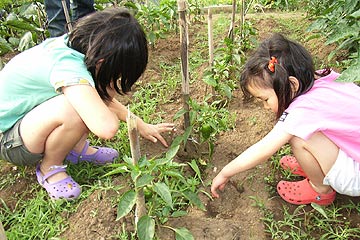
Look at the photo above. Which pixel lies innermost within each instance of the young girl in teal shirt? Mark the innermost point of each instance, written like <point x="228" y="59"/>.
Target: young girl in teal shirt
<point x="54" y="94"/>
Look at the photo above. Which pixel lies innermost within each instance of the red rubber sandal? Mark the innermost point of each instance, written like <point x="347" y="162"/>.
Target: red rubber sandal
<point x="290" y="163"/>
<point x="102" y="156"/>
<point x="301" y="192"/>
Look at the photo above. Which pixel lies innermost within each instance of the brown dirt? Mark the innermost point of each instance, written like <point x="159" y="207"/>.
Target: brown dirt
<point x="233" y="216"/>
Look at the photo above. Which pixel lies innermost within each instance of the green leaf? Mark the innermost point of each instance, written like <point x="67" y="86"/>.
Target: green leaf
<point x="195" y="167"/>
<point x="179" y="113"/>
<point x="5" y="47"/>
<point x="118" y="170"/>
<point x="126" y="203"/>
<point x="183" y="234"/>
<point x="319" y="209"/>
<point x="194" y="199"/>
<point x="177" y="141"/>
<point x="179" y="214"/>
<point x="163" y="191"/>
<point x="19" y="24"/>
<point x="340" y="35"/>
<point x="356" y="14"/>
<point x="210" y="80"/>
<point x="172" y="152"/>
<point x="145" y="228"/>
<point x="352" y="74"/>
<point x="187" y="132"/>
<point x="143" y="180"/>
<point x="174" y="174"/>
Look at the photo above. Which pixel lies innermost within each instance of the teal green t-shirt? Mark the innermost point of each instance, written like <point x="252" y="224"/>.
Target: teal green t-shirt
<point x="36" y="75"/>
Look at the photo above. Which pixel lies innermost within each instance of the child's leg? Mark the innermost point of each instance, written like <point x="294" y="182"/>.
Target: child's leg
<point x="316" y="156"/>
<point x="52" y="128"/>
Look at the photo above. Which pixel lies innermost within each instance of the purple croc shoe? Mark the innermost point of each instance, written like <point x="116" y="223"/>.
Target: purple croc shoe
<point x="102" y="156"/>
<point x="64" y="189"/>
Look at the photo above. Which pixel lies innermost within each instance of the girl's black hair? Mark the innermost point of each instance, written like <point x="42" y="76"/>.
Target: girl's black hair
<point x="115" y="36"/>
<point x="292" y="60"/>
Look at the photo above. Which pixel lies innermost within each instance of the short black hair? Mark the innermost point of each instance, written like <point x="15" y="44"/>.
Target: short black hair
<point x="117" y="37"/>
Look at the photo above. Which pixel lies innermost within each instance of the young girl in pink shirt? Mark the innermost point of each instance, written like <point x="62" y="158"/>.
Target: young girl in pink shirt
<point x="317" y="116"/>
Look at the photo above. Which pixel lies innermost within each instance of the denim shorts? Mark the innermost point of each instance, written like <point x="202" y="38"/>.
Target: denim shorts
<point x="13" y="150"/>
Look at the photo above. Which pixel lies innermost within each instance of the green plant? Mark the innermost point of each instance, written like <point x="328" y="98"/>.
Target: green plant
<point x="339" y="22"/>
<point x="22" y="26"/>
<point x="157" y="19"/>
<point x="229" y="59"/>
<point x="166" y="188"/>
<point x="207" y="120"/>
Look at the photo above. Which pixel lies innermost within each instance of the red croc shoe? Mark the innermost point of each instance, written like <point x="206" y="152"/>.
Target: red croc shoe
<point x="290" y="163"/>
<point x="301" y="192"/>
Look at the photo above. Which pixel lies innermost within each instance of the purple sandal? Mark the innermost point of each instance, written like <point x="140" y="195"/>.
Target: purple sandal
<point x="64" y="189"/>
<point x="103" y="155"/>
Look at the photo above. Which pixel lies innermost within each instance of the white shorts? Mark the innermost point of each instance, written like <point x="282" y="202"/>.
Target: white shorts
<point x="344" y="176"/>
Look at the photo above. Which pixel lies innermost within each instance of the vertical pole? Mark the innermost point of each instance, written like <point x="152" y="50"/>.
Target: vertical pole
<point x="231" y="30"/>
<point x="243" y="12"/>
<point x="184" y="59"/>
<point x="211" y="44"/>
<point x="210" y="38"/>
<point x="67" y="16"/>
<point x="140" y="209"/>
<point x="2" y="232"/>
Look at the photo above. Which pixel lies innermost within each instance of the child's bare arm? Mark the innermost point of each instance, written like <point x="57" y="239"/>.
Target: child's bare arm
<point x="251" y="157"/>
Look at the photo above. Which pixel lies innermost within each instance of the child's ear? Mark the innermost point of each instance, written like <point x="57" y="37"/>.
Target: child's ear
<point x="294" y="84"/>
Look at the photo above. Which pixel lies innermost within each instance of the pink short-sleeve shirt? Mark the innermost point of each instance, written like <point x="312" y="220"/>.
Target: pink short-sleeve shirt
<point x="330" y="107"/>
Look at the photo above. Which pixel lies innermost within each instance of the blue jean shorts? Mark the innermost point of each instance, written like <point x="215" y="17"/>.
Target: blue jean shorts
<point x="13" y="150"/>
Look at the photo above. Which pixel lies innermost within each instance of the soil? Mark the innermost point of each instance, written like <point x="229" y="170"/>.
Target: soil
<point x="232" y="216"/>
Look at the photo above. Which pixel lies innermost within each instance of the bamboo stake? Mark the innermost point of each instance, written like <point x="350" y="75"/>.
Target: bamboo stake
<point x="231" y="30"/>
<point x="211" y="44"/>
<point x="243" y="12"/>
<point x="140" y="209"/>
<point x="210" y="38"/>
<point x="184" y="59"/>
<point x="2" y="232"/>
<point x="67" y="16"/>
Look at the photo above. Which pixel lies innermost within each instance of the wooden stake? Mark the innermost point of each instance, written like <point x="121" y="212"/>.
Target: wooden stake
<point x="231" y="30"/>
<point x="184" y="39"/>
<point x="140" y="209"/>
<point x="67" y="16"/>
<point x="210" y="38"/>
<point x="211" y="45"/>
<point x="2" y="232"/>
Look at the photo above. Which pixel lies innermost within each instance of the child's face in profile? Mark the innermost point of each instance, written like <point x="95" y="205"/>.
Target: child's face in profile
<point x="267" y="96"/>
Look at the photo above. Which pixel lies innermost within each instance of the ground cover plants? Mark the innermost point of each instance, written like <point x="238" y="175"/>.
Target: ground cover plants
<point x="176" y="180"/>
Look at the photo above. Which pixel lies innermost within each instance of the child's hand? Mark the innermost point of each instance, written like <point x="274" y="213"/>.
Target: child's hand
<point x="153" y="132"/>
<point x="218" y="182"/>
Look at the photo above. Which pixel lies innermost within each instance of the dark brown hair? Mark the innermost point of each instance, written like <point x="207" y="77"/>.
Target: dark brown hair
<point x="292" y="60"/>
<point x="115" y="36"/>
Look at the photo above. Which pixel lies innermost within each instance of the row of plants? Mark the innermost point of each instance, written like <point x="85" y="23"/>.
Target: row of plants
<point x="339" y="22"/>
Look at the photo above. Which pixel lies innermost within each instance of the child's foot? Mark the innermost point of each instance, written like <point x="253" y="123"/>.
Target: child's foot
<point x="302" y="192"/>
<point x="96" y="155"/>
<point x="58" y="184"/>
